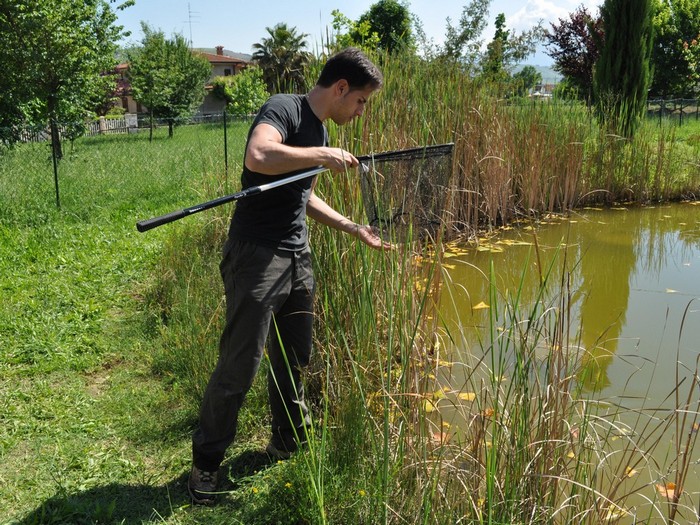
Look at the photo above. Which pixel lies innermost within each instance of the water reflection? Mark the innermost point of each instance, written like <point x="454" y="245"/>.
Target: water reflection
<point x="634" y="272"/>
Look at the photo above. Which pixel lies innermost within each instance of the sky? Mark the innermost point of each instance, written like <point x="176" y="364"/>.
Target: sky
<point x="237" y="25"/>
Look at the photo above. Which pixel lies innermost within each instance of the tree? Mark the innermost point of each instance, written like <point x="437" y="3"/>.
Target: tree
<point x="676" y="22"/>
<point x="574" y="45"/>
<point x="623" y="72"/>
<point x="243" y="92"/>
<point x="352" y="34"/>
<point x="525" y="79"/>
<point x="54" y="54"/>
<point x="462" y="43"/>
<point x="282" y="59"/>
<point x="390" y="20"/>
<point x="691" y="52"/>
<point x="167" y="77"/>
<point x="493" y="63"/>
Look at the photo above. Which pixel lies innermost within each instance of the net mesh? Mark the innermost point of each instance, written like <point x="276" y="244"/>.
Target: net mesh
<point x="404" y="192"/>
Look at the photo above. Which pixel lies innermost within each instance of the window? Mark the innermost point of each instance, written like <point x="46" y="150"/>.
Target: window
<point x="227" y="72"/>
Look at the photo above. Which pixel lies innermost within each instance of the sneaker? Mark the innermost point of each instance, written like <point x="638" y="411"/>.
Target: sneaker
<point x="202" y="486"/>
<point x="278" y="452"/>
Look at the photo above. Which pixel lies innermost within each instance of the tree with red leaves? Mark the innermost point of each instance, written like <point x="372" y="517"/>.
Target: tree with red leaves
<point x="575" y="44"/>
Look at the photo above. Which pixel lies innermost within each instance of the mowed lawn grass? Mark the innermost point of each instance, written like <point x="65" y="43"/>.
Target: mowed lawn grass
<point x="89" y="432"/>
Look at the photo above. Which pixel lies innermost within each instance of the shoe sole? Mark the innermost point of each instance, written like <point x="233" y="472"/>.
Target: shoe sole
<point x="206" y="501"/>
<point x="277" y="453"/>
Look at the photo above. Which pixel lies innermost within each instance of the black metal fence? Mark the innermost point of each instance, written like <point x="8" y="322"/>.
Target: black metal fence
<point x="220" y="124"/>
<point x="681" y="110"/>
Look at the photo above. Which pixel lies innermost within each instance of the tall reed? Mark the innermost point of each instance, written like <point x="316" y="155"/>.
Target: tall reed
<point x="515" y="157"/>
<point x="531" y="447"/>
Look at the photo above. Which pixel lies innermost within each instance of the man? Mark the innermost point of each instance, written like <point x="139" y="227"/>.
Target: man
<point x="266" y="265"/>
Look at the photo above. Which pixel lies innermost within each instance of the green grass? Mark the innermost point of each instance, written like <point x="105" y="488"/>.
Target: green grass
<point x="84" y="421"/>
<point x="108" y="335"/>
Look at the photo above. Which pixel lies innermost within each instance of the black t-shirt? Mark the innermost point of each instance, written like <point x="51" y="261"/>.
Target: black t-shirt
<point x="277" y="217"/>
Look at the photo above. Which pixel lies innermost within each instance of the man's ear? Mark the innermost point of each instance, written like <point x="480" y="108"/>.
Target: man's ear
<point x="342" y="87"/>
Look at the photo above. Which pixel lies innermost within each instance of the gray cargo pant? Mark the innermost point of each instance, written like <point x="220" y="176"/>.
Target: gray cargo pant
<point x="268" y="292"/>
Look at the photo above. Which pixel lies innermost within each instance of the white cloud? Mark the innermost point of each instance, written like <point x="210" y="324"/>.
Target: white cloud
<point x="546" y="10"/>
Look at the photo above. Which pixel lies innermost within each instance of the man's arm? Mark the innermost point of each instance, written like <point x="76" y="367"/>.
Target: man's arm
<point x="320" y="211"/>
<point x="267" y="154"/>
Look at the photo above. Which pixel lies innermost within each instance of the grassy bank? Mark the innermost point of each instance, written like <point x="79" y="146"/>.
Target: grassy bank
<point x="88" y="431"/>
<point x="109" y="335"/>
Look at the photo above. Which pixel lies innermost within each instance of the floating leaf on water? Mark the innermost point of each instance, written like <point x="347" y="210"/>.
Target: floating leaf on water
<point x="667" y="216"/>
<point x="438" y="394"/>
<point x="449" y="266"/>
<point x="440" y="438"/>
<point x="629" y="472"/>
<point x="441" y="362"/>
<point x="481" y="306"/>
<point x="695" y="427"/>
<point x="512" y="242"/>
<point x="614" y="513"/>
<point x="487" y="412"/>
<point x="445" y="424"/>
<point x="467" y="396"/>
<point x="428" y="406"/>
<point x="573" y="222"/>
<point x="571" y="455"/>
<point x="668" y="490"/>
<point x="619" y="209"/>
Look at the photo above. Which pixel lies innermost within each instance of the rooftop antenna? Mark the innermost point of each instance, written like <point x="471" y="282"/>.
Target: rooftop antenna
<point x="190" y="15"/>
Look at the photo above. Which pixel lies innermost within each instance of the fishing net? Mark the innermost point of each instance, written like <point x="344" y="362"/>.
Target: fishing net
<point x="404" y="191"/>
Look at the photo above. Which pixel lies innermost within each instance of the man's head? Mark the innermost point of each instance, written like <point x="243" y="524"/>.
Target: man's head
<point x="352" y="65"/>
<point x="349" y="77"/>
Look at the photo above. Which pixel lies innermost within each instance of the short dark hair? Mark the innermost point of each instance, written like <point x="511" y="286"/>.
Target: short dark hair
<point x="352" y="65"/>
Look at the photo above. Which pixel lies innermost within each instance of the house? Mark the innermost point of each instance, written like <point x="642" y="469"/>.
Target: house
<point x="123" y="91"/>
<point x="222" y="65"/>
<point x="543" y="91"/>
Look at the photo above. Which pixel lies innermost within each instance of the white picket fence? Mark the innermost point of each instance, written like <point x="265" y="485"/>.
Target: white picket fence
<point x="126" y="124"/>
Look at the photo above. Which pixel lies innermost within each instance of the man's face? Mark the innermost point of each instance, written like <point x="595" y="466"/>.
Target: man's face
<point x="350" y="103"/>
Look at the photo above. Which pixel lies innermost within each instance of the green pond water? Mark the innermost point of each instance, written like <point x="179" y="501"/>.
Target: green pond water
<point x="633" y="288"/>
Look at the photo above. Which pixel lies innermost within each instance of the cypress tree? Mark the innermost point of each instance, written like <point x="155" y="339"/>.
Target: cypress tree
<point x="623" y="71"/>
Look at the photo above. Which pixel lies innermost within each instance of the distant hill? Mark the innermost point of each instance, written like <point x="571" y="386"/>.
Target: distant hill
<point x="549" y="76"/>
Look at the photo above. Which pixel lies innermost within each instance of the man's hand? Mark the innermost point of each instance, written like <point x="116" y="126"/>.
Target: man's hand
<point x="369" y="236"/>
<point x="339" y="160"/>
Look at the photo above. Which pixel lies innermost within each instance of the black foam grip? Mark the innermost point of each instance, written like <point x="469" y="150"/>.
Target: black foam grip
<point x="149" y="224"/>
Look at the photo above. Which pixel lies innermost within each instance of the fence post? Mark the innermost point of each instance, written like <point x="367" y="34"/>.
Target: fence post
<point x="54" y="156"/>
<point x="225" y="147"/>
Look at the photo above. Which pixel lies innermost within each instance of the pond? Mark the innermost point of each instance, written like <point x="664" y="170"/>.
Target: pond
<point x="634" y="284"/>
<point x="630" y="278"/>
